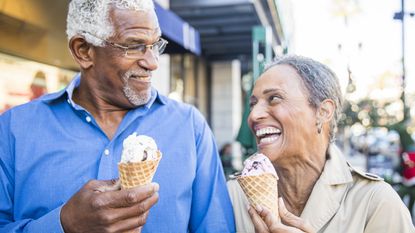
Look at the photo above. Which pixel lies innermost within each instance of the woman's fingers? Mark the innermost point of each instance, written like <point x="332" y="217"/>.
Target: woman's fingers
<point x="292" y="220"/>
<point x="265" y="222"/>
<point x="269" y="219"/>
<point x="260" y="226"/>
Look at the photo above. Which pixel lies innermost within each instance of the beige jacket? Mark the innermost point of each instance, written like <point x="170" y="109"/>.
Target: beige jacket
<point x="343" y="200"/>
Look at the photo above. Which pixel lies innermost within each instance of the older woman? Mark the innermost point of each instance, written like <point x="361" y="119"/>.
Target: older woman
<point x="294" y="109"/>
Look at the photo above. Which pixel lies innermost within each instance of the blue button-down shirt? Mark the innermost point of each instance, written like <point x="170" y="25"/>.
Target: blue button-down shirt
<point x="50" y="147"/>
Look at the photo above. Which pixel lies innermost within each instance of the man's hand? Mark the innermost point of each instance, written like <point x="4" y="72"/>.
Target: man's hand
<point x="100" y="206"/>
<point x="265" y="222"/>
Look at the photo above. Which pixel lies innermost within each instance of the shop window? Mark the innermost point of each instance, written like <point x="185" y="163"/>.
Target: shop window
<point x="23" y="80"/>
<point x="177" y="78"/>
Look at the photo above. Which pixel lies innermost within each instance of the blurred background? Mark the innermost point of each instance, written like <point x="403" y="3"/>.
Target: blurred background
<point x="217" y="48"/>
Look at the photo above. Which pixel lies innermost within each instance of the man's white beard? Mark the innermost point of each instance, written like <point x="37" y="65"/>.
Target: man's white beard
<point x="135" y="98"/>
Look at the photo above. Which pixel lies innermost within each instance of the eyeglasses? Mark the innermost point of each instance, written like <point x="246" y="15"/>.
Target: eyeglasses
<point x="138" y="50"/>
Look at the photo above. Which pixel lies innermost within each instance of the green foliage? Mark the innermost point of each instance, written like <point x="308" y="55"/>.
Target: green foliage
<point x="372" y="113"/>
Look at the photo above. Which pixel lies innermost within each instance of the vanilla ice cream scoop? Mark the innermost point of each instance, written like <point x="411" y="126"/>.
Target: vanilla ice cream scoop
<point x="258" y="164"/>
<point x="138" y="148"/>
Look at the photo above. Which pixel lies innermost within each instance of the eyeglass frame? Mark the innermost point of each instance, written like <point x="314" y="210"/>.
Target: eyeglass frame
<point x="126" y="48"/>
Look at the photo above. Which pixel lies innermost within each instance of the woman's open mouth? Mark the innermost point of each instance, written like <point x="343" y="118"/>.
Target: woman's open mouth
<point x="267" y="135"/>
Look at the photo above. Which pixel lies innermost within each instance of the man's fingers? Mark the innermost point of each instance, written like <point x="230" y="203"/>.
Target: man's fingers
<point x="292" y="220"/>
<point x="135" y="195"/>
<point x="129" y="224"/>
<point x="135" y="214"/>
<point x="109" y="185"/>
<point x="138" y="209"/>
<point x="260" y="226"/>
<point x="125" y="198"/>
<point x="142" y="207"/>
<point x="101" y="185"/>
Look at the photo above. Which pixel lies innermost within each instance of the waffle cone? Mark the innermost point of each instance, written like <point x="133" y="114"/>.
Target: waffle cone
<point x="139" y="173"/>
<point x="261" y="190"/>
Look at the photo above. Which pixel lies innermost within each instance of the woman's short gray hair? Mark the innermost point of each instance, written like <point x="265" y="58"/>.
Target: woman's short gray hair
<point x="319" y="80"/>
<point x="86" y="17"/>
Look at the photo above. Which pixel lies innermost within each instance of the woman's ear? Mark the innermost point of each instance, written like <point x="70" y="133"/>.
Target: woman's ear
<point x="326" y="110"/>
<point x="81" y="51"/>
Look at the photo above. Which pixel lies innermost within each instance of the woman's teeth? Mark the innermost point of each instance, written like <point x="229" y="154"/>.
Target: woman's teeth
<point x="267" y="130"/>
<point x="268" y="139"/>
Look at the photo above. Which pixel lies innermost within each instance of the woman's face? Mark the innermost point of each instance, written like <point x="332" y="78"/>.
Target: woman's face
<point x="281" y="117"/>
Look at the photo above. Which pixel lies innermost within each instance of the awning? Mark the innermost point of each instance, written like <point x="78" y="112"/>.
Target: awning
<point x="181" y="36"/>
<point x="225" y="26"/>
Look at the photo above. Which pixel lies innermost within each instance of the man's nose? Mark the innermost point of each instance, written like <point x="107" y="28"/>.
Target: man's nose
<point x="149" y="60"/>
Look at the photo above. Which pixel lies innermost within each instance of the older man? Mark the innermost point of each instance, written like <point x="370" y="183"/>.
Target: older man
<point x="59" y="153"/>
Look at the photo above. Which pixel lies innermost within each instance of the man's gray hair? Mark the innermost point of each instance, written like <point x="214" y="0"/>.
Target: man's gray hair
<point x="320" y="82"/>
<point x="86" y="17"/>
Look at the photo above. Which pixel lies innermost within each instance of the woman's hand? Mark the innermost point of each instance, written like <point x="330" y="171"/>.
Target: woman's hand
<point x="265" y="222"/>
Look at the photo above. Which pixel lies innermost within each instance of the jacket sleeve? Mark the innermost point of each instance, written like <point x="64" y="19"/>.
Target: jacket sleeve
<point x="387" y="212"/>
<point x="8" y="222"/>
<point x="240" y="202"/>
<point x="211" y="209"/>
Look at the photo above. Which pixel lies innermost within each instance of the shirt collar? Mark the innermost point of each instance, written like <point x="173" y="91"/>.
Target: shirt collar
<point x="49" y="98"/>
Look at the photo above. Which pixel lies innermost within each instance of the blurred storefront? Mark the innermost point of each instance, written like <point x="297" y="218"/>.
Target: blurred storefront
<point x="22" y="80"/>
<point x="33" y="54"/>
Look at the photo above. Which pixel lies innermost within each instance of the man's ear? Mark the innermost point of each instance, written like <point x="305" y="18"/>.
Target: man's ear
<point x="326" y="110"/>
<point x="81" y="51"/>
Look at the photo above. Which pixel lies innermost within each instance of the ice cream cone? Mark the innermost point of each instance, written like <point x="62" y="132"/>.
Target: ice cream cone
<point x="261" y="190"/>
<point x="134" y="174"/>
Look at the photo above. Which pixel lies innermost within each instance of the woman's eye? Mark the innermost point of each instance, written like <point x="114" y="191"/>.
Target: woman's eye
<point x="251" y="105"/>
<point x="275" y="98"/>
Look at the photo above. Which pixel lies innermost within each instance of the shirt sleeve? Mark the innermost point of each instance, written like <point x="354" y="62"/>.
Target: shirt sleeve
<point x="211" y="209"/>
<point x="388" y="213"/>
<point x="8" y="222"/>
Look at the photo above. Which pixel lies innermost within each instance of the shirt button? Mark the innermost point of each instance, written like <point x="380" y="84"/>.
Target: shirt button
<point x="107" y="152"/>
<point x="88" y="119"/>
<point x="69" y="102"/>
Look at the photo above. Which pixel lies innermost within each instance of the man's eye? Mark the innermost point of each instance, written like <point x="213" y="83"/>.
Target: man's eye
<point x="140" y="47"/>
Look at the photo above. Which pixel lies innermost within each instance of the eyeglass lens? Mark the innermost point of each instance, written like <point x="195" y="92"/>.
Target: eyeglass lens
<point x="139" y="50"/>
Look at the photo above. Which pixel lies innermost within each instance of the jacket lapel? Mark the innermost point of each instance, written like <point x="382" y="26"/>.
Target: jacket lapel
<point x="329" y="190"/>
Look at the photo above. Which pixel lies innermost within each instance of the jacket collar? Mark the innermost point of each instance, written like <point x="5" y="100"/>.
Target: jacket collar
<point x="329" y="190"/>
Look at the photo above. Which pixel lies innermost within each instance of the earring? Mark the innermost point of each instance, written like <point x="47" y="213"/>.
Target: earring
<point x="319" y="126"/>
